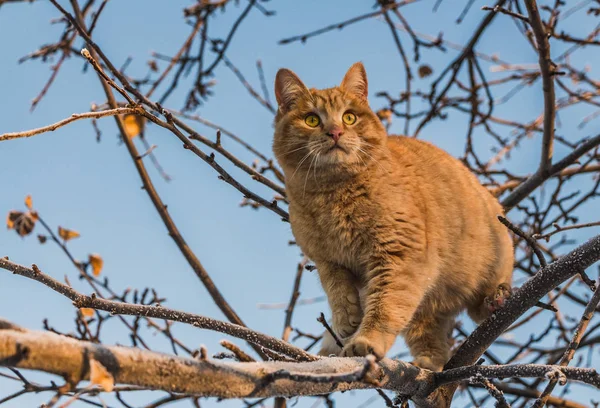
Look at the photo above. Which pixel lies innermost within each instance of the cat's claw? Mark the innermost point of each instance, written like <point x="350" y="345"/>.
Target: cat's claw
<point x="497" y="301"/>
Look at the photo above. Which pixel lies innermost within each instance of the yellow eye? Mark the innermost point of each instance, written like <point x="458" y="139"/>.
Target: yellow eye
<point x="349" y="118"/>
<point x="312" y="120"/>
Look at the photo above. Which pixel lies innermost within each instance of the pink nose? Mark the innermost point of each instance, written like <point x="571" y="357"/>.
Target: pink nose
<point x="335" y="133"/>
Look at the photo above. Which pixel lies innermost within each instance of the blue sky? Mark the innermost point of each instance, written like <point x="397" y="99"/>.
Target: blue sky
<point x="93" y="187"/>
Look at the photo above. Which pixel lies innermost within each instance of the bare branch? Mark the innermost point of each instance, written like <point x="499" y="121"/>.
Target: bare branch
<point x="93" y="302"/>
<point x="537" y="179"/>
<point x="73" y="118"/>
<point x="548" y="72"/>
<point x="67" y="357"/>
<point x="573" y="345"/>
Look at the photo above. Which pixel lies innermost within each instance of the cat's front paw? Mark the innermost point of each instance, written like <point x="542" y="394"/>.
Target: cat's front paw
<point x="360" y="345"/>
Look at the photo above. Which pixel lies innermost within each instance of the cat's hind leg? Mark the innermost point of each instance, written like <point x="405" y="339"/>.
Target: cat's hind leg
<point x="495" y="290"/>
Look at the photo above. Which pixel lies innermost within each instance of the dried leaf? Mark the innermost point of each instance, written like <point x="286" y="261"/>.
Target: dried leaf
<point x="384" y="114"/>
<point x="153" y="65"/>
<point x="133" y="124"/>
<point x="86" y="312"/>
<point x="97" y="263"/>
<point x="22" y="223"/>
<point x="28" y="202"/>
<point x="425" y="70"/>
<point x="67" y="234"/>
<point x="100" y="376"/>
<point x="10" y="219"/>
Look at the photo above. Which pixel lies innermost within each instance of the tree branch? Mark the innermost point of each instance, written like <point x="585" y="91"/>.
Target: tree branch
<point x="61" y="123"/>
<point x="548" y="72"/>
<point x="521" y="300"/>
<point x="80" y="300"/>
<point x="51" y="353"/>
<point x="538" y="178"/>
<point x="69" y="358"/>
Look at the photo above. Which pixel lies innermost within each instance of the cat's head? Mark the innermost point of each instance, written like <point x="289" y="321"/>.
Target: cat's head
<point x="331" y="130"/>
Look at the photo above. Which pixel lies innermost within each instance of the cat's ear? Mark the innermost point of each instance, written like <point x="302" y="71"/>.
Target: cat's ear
<point x="288" y="88"/>
<point x="355" y="81"/>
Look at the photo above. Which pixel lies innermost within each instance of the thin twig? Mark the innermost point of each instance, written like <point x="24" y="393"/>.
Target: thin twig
<point x="548" y="71"/>
<point x="72" y="118"/>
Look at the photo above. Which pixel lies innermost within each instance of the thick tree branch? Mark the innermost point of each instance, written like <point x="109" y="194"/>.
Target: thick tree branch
<point x="51" y="353"/>
<point x="525" y="298"/>
<point x="521" y="300"/>
<point x="70" y="358"/>
<point x="80" y="300"/>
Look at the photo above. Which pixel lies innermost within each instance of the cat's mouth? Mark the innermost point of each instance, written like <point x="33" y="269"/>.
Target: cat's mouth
<point x="336" y="147"/>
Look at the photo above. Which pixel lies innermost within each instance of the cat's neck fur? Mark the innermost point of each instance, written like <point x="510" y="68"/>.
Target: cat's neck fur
<point x="324" y="179"/>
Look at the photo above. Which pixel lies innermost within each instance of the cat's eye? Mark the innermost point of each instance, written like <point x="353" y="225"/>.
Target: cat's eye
<point x="349" y="118"/>
<point x="312" y="120"/>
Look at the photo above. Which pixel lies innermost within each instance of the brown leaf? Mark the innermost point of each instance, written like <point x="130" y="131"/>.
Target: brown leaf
<point x="384" y="114"/>
<point x="67" y="234"/>
<point x="86" y="312"/>
<point x="133" y="124"/>
<point x="22" y="223"/>
<point x="153" y="65"/>
<point x="10" y="219"/>
<point x="97" y="263"/>
<point x="28" y="202"/>
<point x="425" y="70"/>
<point x="100" y="376"/>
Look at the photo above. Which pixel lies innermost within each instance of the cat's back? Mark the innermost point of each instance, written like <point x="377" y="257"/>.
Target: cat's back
<point x="444" y="175"/>
<point x="456" y="208"/>
<point x="410" y="151"/>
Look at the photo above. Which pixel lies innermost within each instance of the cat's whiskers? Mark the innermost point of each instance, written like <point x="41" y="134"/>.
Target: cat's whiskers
<point x="361" y="159"/>
<point x="302" y="161"/>
<point x="295" y="150"/>
<point x="308" y="172"/>
<point x="373" y="159"/>
<point x="315" y="169"/>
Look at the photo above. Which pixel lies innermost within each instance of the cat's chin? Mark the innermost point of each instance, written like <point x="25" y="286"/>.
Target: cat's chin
<point x="337" y="151"/>
<point x="337" y="157"/>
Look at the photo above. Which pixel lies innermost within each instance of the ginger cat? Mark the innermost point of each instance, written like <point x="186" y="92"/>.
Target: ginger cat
<point x="403" y="235"/>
